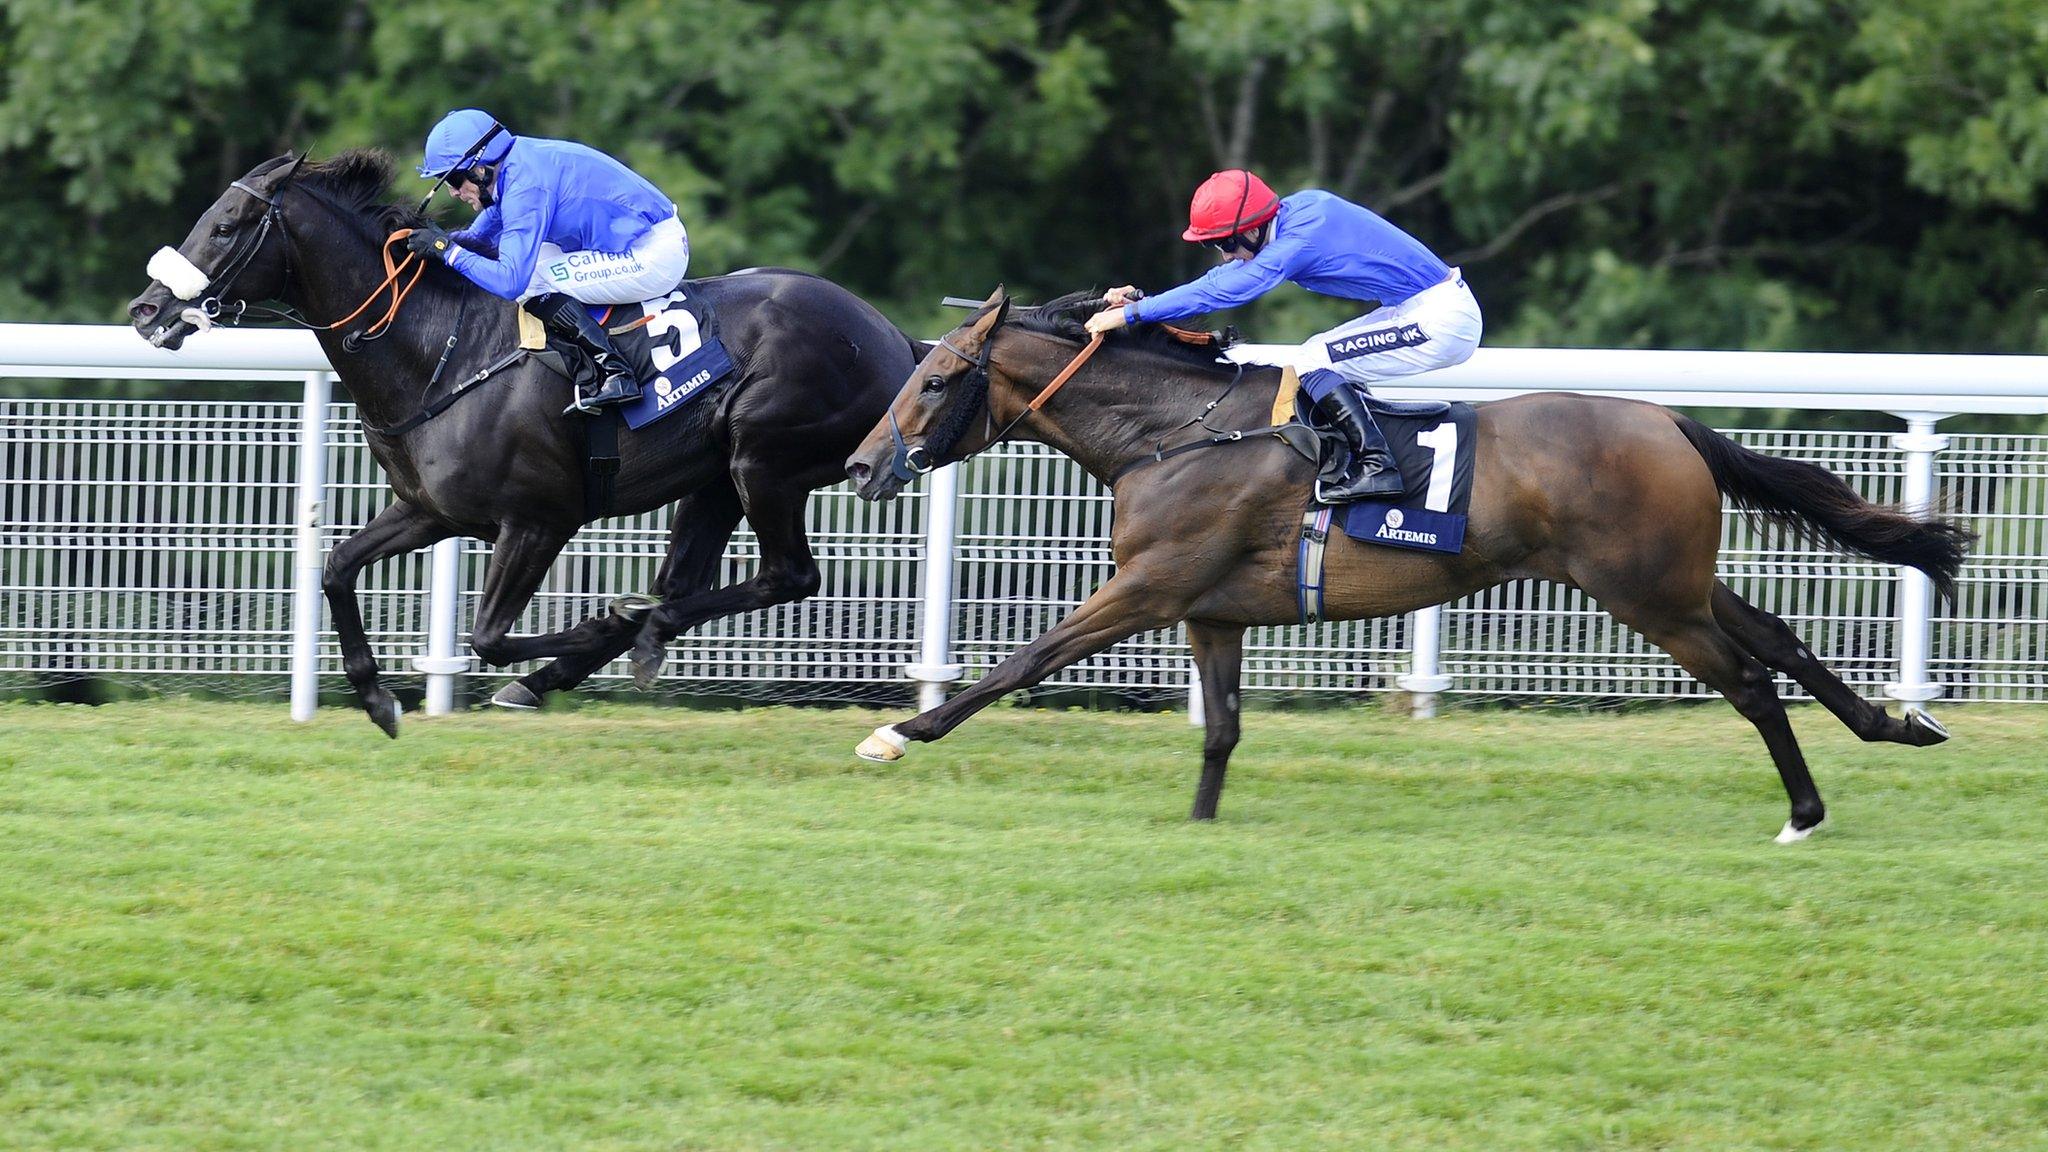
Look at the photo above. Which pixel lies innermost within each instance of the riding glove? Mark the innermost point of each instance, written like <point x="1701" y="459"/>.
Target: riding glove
<point x="430" y="238"/>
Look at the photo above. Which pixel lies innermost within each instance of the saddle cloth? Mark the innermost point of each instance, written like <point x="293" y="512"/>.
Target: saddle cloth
<point x="1433" y="446"/>
<point x="671" y="342"/>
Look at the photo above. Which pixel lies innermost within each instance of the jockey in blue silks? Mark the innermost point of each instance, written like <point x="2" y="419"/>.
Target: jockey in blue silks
<point x="560" y="225"/>
<point x="1424" y="317"/>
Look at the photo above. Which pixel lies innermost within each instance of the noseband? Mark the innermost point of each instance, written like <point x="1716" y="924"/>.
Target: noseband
<point x="911" y="462"/>
<point x="213" y="306"/>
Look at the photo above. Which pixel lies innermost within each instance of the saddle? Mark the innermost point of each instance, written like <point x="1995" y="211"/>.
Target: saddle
<point x="1432" y="444"/>
<point x="671" y="342"/>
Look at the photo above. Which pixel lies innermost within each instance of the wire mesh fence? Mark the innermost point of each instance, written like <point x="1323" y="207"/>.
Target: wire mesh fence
<point x="151" y="541"/>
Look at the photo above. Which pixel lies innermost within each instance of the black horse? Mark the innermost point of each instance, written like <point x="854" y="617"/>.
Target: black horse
<point x="818" y="369"/>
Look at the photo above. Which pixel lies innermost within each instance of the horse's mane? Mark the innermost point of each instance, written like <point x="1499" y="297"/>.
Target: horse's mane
<point x="1065" y="316"/>
<point x="359" y="179"/>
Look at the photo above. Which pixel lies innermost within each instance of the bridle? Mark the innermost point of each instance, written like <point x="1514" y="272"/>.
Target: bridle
<point x="215" y="306"/>
<point x="909" y="462"/>
<point x="211" y="301"/>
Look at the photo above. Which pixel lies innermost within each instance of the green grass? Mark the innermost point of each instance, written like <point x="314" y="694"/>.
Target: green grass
<point x="626" y="927"/>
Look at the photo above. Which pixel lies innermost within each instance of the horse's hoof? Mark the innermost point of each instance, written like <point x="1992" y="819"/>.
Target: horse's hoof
<point x="646" y="667"/>
<point x="883" y="746"/>
<point x="1791" y="835"/>
<point x="1931" y="730"/>
<point x="386" y="716"/>
<point x="634" y="607"/>
<point x="517" y="697"/>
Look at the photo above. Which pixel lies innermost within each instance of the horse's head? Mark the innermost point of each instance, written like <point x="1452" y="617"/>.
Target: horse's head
<point x="235" y="253"/>
<point x="928" y="423"/>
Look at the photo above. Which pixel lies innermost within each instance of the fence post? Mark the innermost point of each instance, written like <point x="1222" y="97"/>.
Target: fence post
<point x="441" y="664"/>
<point x="934" y="669"/>
<point x="1916" y="592"/>
<point x="306" y="558"/>
<point x="1423" y="681"/>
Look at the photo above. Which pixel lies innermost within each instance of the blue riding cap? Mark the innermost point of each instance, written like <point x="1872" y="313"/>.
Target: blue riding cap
<point x="449" y="143"/>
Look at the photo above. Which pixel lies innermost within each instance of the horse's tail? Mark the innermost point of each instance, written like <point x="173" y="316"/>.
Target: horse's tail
<point x="1814" y="502"/>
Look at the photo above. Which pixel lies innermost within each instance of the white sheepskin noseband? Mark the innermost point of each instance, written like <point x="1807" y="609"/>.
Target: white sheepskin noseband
<point x="180" y="275"/>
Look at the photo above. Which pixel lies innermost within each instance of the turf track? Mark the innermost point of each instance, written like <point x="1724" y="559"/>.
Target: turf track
<point x="628" y="927"/>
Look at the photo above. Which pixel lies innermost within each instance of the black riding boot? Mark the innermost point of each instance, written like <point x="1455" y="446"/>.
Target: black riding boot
<point x="1371" y="470"/>
<point x="565" y="316"/>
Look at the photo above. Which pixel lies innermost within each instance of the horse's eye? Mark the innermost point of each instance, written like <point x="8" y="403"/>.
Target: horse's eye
<point x="935" y="383"/>
<point x="224" y="228"/>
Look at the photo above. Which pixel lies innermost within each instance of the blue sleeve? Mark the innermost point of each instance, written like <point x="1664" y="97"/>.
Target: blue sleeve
<point x="522" y="223"/>
<point x="1222" y="287"/>
<point x="483" y="231"/>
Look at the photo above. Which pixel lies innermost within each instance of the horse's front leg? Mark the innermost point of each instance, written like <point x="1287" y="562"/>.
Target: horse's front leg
<point x="399" y="528"/>
<point x="1128" y="604"/>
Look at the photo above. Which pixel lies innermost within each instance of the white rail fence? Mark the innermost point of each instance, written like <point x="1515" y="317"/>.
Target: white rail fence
<point x="146" y="538"/>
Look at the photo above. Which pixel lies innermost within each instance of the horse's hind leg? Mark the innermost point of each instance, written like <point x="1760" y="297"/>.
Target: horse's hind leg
<point x="1770" y="640"/>
<point x="704" y="521"/>
<point x="1699" y="644"/>
<point x="519" y="562"/>
<point x="788" y="572"/>
<point x="1219" y="658"/>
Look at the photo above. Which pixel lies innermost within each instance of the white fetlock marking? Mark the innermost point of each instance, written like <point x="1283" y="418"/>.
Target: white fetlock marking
<point x="885" y="745"/>
<point x="512" y="705"/>
<point x="170" y="268"/>
<point x="1791" y="835"/>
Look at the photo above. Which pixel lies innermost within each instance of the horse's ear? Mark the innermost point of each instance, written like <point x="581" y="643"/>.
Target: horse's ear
<point x="293" y="170"/>
<point x="994" y="311"/>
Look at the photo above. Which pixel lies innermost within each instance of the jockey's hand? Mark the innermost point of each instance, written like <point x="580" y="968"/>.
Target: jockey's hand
<point x="1121" y="296"/>
<point x="1107" y="320"/>
<point x="430" y="239"/>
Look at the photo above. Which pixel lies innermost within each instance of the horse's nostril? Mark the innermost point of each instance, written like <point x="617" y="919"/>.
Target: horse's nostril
<point x="142" y="312"/>
<point x="858" y="471"/>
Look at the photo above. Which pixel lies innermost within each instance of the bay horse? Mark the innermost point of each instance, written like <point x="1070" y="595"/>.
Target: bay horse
<point x="1618" y="498"/>
<point x="818" y="365"/>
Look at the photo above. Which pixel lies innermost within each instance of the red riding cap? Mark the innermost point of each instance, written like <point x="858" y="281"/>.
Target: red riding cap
<point x="1228" y="203"/>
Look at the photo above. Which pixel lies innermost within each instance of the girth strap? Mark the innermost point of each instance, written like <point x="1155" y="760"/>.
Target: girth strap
<point x="601" y="463"/>
<point x="1308" y="576"/>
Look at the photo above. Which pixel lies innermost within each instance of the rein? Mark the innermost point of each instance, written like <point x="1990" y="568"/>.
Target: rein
<point x="212" y="307"/>
<point x="394" y="269"/>
<point x="911" y="461"/>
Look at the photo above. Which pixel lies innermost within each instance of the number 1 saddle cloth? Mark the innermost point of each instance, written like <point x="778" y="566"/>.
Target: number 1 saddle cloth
<point x="1433" y="445"/>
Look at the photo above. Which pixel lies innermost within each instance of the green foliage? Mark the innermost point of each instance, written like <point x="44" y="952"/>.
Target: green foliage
<point x="1764" y="173"/>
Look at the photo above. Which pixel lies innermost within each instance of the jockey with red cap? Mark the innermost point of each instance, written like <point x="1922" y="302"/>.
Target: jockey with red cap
<point x="1423" y="316"/>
